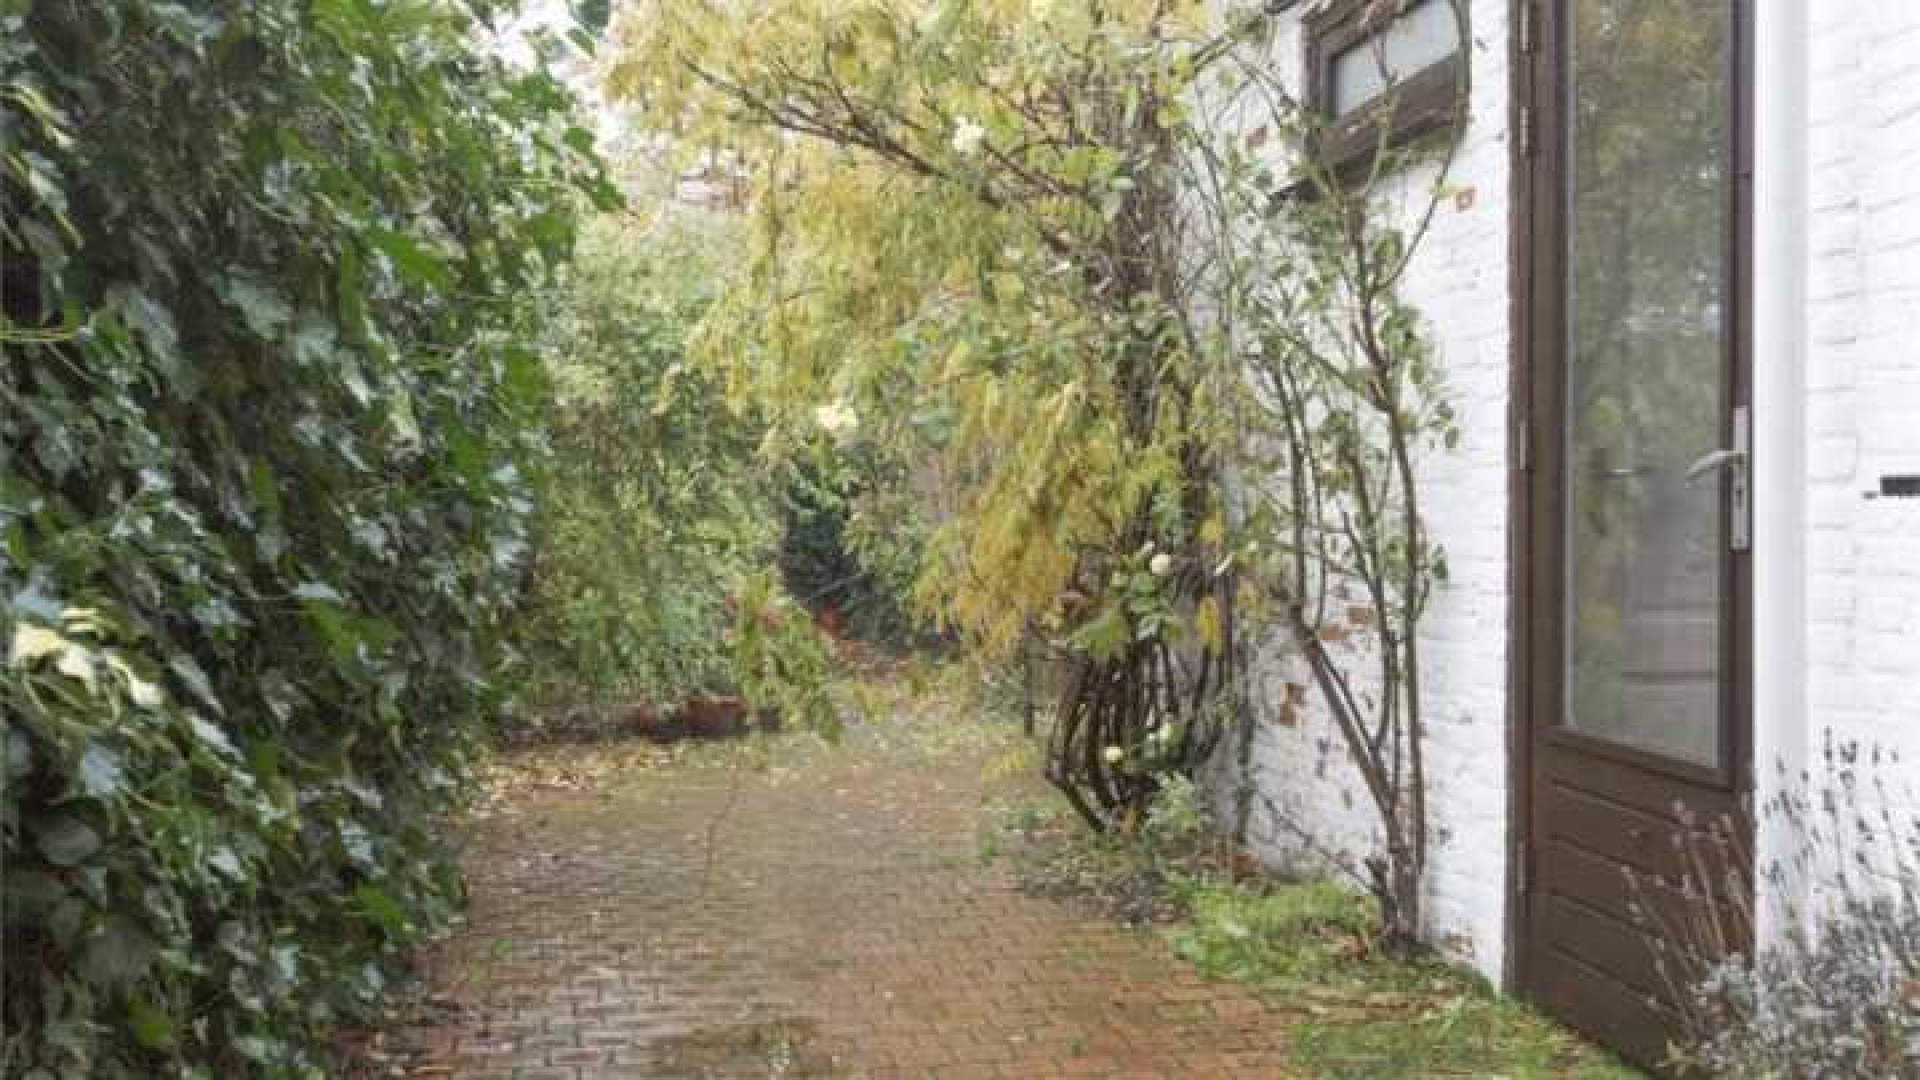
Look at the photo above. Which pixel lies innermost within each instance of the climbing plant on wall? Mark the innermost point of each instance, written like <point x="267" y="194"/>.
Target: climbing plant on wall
<point x="1339" y="401"/>
<point x="263" y="409"/>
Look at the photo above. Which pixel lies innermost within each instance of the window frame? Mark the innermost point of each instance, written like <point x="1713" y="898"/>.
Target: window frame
<point x="1432" y="99"/>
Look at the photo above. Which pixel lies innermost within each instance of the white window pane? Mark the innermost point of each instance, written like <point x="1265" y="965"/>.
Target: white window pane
<point x="1422" y="36"/>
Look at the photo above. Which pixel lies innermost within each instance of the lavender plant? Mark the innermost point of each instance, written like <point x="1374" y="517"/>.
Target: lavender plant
<point x="1837" y="992"/>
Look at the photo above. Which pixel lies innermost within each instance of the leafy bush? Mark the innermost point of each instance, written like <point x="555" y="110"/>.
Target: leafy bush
<point x="852" y="544"/>
<point x="655" y="503"/>
<point x="261" y="403"/>
<point x="780" y="658"/>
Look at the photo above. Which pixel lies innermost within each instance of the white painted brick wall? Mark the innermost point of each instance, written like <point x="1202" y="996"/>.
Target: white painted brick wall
<point x="1863" y="420"/>
<point x="1863" y="381"/>
<point x="1460" y="284"/>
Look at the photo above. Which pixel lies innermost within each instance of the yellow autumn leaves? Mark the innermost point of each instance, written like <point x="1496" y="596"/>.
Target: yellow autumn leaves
<point x="935" y="183"/>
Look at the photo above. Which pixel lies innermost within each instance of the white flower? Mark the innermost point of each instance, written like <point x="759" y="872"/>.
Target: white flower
<point x="77" y="664"/>
<point x="143" y="693"/>
<point x="31" y="642"/>
<point x="968" y="137"/>
<point x="1113" y="755"/>
<point x="1162" y="565"/>
<point x="836" y="418"/>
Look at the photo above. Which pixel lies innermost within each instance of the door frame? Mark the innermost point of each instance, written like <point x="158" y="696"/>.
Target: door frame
<point x="1538" y="80"/>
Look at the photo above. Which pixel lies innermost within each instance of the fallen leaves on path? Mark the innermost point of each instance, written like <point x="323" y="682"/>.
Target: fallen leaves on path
<point x="507" y="776"/>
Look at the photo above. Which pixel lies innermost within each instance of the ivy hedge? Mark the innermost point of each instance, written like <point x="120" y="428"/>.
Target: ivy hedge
<point x="263" y="414"/>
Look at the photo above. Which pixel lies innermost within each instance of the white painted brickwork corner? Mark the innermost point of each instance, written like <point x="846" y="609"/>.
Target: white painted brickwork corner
<point x="1460" y="285"/>
<point x="1862" y="409"/>
<point x="1863" y="378"/>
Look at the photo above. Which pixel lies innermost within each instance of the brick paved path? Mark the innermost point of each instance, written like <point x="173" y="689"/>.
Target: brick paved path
<point x="830" y="917"/>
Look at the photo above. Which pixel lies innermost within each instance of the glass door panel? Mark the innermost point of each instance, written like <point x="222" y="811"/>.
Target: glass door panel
<point x="1647" y="154"/>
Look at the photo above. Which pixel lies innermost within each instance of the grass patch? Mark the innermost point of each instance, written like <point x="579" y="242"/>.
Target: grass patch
<point x="1311" y="947"/>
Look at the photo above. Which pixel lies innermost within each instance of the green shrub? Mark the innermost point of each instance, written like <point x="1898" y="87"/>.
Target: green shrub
<point x="852" y="544"/>
<point x="261" y="403"/>
<point x="780" y="657"/>
<point x="655" y="502"/>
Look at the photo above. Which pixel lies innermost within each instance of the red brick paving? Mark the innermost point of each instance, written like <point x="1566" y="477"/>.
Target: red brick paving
<point x="840" y="923"/>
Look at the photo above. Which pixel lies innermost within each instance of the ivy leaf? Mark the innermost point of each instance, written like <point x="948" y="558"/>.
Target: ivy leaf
<point x="224" y="860"/>
<point x="400" y="418"/>
<point x="151" y="1027"/>
<point x="411" y="258"/>
<point x="195" y="676"/>
<point x="212" y="736"/>
<point x="19" y="755"/>
<point x="265" y="311"/>
<point x="120" y="952"/>
<point x="313" y="343"/>
<point x="382" y="909"/>
<point x="150" y="320"/>
<point x="1105" y="635"/>
<point x="100" y="772"/>
<point x="68" y="841"/>
<point x="358" y="845"/>
<point x="318" y="590"/>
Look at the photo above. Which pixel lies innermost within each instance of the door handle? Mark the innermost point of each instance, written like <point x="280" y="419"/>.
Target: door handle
<point x="1712" y="460"/>
<point x="1734" y="459"/>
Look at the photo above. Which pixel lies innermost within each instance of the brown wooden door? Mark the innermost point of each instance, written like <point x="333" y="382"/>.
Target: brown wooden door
<point x="1635" y="575"/>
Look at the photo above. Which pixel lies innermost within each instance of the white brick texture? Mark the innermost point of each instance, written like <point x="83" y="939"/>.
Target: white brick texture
<point x="1863" y="380"/>
<point x="1460" y="284"/>
<point x="1862" y="326"/>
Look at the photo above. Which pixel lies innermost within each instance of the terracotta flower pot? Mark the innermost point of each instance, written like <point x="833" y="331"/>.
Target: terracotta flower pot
<point x="651" y="721"/>
<point x="713" y="717"/>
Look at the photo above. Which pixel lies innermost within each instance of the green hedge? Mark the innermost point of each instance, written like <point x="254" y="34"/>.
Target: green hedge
<point x="266" y="265"/>
<point x="654" y="500"/>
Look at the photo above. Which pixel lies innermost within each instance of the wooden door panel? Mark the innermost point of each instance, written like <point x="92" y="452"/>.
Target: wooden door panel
<point x="1611" y="1013"/>
<point x="1618" y="949"/>
<point x="1566" y="870"/>
<point x="1635" y="841"/>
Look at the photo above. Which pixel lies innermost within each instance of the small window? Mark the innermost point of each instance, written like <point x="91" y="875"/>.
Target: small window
<point x="1392" y="64"/>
